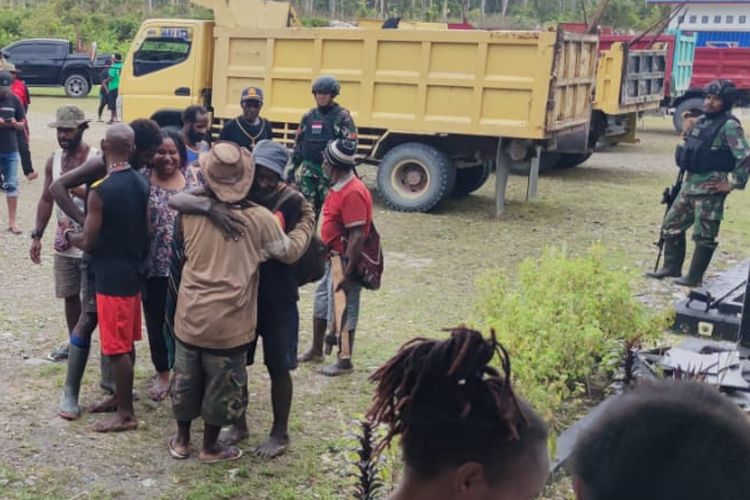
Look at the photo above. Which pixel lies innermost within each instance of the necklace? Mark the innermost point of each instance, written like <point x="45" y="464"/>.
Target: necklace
<point x="118" y="166"/>
<point x="253" y="138"/>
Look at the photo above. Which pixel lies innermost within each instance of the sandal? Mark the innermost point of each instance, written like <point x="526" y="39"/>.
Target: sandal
<point x="59" y="354"/>
<point x="227" y="455"/>
<point x="174" y="452"/>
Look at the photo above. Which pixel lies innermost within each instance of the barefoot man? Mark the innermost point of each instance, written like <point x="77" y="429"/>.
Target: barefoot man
<point x="115" y="233"/>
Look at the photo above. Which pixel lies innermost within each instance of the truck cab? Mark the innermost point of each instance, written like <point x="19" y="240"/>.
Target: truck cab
<point x="167" y="69"/>
<point x="39" y="60"/>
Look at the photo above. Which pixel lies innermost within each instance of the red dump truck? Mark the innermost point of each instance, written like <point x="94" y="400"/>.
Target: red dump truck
<point x="710" y="63"/>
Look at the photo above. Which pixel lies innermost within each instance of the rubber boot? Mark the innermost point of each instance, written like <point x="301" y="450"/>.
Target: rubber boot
<point x="315" y="354"/>
<point x="108" y="380"/>
<point x="77" y="359"/>
<point x="674" y="256"/>
<point x="699" y="264"/>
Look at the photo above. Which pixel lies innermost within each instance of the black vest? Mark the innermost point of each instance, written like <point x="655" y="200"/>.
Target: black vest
<point x="696" y="155"/>
<point x="319" y="131"/>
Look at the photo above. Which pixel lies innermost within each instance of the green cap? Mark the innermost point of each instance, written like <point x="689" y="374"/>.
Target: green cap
<point x="69" y="117"/>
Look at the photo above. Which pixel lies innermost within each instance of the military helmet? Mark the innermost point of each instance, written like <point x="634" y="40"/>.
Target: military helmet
<point x="724" y="89"/>
<point x="326" y="85"/>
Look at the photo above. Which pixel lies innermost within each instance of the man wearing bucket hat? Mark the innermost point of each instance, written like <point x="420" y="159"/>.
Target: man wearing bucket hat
<point x="70" y="124"/>
<point x="249" y="128"/>
<point x="277" y="316"/>
<point x="215" y="320"/>
<point x="12" y="120"/>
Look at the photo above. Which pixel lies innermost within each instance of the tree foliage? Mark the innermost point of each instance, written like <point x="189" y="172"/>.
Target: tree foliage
<point x="113" y="23"/>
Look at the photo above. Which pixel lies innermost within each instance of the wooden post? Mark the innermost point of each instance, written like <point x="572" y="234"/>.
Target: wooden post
<point x="534" y="174"/>
<point x="502" y="171"/>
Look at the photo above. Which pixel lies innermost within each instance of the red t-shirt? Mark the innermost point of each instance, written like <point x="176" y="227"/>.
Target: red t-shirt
<point x="348" y="205"/>
<point x="19" y="90"/>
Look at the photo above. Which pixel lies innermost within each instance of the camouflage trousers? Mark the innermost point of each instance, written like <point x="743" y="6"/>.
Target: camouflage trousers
<point x="313" y="184"/>
<point x="209" y="385"/>
<point x="702" y="211"/>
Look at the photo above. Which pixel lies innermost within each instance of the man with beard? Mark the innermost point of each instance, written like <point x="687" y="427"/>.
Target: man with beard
<point x="70" y="124"/>
<point x="194" y="132"/>
<point x="249" y="128"/>
<point x="147" y="140"/>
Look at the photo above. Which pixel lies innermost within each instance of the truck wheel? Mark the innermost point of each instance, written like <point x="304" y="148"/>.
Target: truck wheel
<point x="694" y="104"/>
<point x="470" y="179"/>
<point x="77" y="85"/>
<point x="570" y="160"/>
<point x="415" y="177"/>
<point x="547" y="162"/>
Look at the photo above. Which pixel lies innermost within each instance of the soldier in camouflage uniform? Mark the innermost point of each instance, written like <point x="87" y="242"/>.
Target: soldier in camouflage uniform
<point x="322" y="124"/>
<point x="716" y="157"/>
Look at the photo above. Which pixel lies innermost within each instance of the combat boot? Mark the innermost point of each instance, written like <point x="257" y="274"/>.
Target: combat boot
<point x="674" y="256"/>
<point x="699" y="264"/>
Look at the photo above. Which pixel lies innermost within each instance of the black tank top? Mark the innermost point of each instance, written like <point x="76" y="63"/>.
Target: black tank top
<point x="121" y="248"/>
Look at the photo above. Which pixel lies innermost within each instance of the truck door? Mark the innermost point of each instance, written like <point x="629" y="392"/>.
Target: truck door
<point x="159" y="73"/>
<point x="48" y="62"/>
<point x="23" y="55"/>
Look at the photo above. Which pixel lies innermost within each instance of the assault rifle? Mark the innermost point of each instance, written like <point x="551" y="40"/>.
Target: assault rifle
<point x="667" y="198"/>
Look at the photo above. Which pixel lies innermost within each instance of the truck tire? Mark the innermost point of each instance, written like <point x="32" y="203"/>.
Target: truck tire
<point x="77" y="85"/>
<point x="692" y="104"/>
<point x="570" y="160"/>
<point x="415" y="177"/>
<point x="470" y="179"/>
<point x="547" y="163"/>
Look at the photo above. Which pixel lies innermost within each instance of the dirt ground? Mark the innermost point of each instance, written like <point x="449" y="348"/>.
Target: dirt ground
<point x="432" y="261"/>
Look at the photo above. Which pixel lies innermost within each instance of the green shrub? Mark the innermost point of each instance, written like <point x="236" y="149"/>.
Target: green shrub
<point x="564" y="320"/>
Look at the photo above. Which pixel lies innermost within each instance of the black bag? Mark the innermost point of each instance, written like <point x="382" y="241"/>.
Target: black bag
<point x="312" y="265"/>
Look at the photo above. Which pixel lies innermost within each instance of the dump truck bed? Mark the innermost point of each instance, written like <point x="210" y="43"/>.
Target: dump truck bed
<point x="517" y="84"/>
<point x="679" y="58"/>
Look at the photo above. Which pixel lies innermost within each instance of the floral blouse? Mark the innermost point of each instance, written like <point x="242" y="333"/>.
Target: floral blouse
<point x="162" y="229"/>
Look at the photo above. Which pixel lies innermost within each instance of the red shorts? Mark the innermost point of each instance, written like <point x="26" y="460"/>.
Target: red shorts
<point x="119" y="322"/>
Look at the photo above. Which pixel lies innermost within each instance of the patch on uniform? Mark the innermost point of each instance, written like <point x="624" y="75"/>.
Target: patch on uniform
<point x="317" y="127"/>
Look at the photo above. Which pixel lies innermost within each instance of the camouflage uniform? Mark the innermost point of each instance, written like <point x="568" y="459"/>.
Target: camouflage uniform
<point x="314" y="132"/>
<point x="696" y="204"/>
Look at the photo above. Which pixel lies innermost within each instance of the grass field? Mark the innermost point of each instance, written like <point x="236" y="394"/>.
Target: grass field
<point x="432" y="262"/>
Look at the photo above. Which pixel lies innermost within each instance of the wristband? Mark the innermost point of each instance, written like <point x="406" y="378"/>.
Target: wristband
<point x="37" y="234"/>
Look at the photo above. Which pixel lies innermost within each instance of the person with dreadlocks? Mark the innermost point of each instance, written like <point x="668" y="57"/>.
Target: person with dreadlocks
<point x="665" y="440"/>
<point x="464" y="433"/>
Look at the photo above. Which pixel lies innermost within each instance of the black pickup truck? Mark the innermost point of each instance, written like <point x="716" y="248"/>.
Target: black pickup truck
<point x="50" y="62"/>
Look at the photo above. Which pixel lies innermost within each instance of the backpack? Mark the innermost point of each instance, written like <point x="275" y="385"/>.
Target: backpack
<point x="369" y="269"/>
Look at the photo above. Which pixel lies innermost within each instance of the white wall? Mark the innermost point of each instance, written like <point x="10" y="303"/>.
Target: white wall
<point x="703" y="17"/>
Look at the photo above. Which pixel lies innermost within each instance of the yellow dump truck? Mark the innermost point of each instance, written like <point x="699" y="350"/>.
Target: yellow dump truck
<point x="435" y="108"/>
<point x="628" y="82"/>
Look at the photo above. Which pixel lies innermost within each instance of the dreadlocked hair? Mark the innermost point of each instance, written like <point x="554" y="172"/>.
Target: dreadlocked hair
<point x="450" y="406"/>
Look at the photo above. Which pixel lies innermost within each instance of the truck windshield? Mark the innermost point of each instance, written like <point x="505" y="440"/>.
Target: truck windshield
<point x="159" y="53"/>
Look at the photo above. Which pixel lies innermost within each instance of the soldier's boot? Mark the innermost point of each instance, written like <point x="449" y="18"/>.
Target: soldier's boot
<point x="77" y="358"/>
<point x="699" y="264"/>
<point x="674" y="256"/>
